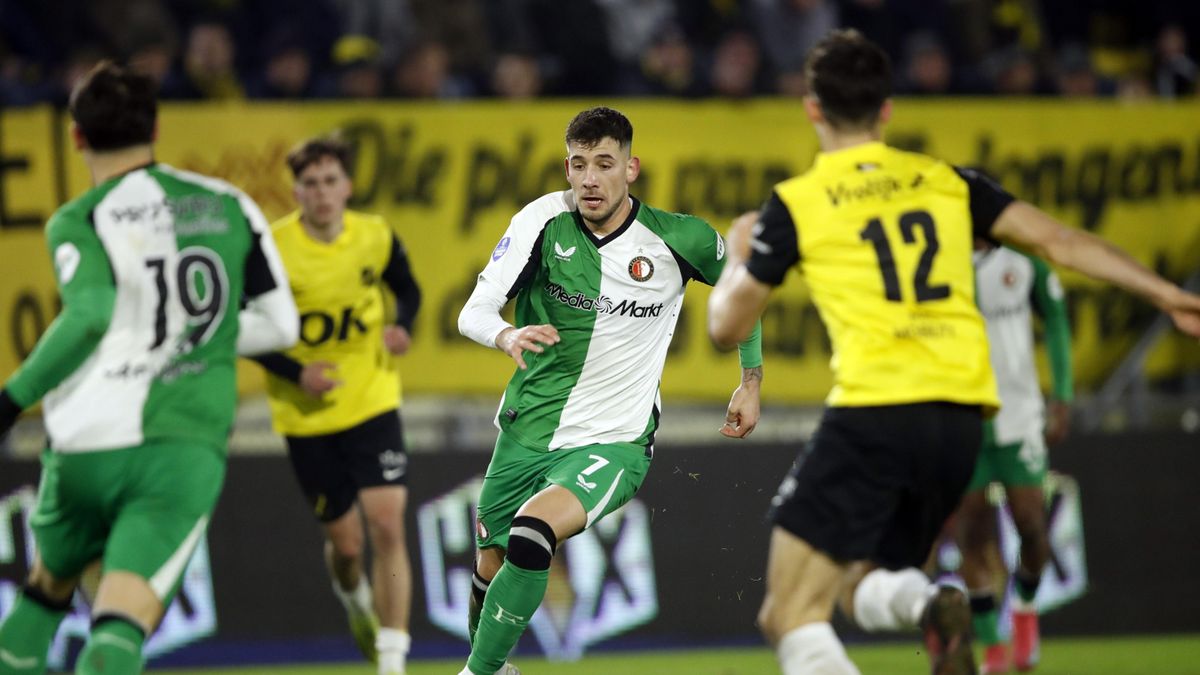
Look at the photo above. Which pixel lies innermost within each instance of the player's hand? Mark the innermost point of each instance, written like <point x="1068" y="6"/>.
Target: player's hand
<point x="517" y="341"/>
<point x="396" y="339"/>
<point x="316" y="378"/>
<point x="737" y="240"/>
<point x="1184" y="308"/>
<point x="1058" y="422"/>
<point x="744" y="406"/>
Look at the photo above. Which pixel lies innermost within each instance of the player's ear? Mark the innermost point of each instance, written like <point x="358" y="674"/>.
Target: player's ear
<point x="633" y="169"/>
<point x="885" y="111"/>
<point x="77" y="137"/>
<point x="812" y="108"/>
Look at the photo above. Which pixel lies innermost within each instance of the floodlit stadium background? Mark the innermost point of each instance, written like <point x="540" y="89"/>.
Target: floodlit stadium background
<point x="457" y="110"/>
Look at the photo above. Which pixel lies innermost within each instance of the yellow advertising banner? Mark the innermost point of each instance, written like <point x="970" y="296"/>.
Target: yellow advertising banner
<point x="449" y="176"/>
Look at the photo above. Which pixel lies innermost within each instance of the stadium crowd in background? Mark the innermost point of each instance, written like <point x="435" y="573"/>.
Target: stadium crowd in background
<point x="446" y="49"/>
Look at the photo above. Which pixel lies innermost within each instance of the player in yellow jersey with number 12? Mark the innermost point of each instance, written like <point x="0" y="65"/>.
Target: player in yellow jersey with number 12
<point x="884" y="239"/>
<point x="335" y="396"/>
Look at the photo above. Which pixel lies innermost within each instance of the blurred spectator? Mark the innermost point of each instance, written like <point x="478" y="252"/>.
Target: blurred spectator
<point x="462" y="28"/>
<point x="359" y="73"/>
<point x="126" y="26"/>
<point x="668" y="68"/>
<point x="1013" y="72"/>
<point x="632" y="26"/>
<point x="208" y="65"/>
<point x="1175" y="73"/>
<point x="925" y="69"/>
<point x="153" y="54"/>
<point x="516" y="76"/>
<point x="568" y="42"/>
<point x="789" y="28"/>
<point x="1075" y="76"/>
<point x="79" y="63"/>
<point x="20" y="81"/>
<point x="736" y="67"/>
<point x="424" y="72"/>
<point x="389" y="23"/>
<point x="287" y="70"/>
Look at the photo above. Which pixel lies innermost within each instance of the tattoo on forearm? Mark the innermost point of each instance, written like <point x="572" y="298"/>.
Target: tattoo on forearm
<point x="754" y="373"/>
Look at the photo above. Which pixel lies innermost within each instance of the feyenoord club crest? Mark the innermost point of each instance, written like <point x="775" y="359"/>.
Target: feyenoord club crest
<point x="640" y="268"/>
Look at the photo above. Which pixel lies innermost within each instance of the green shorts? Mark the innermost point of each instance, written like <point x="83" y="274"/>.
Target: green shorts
<point x="141" y="509"/>
<point x="1021" y="464"/>
<point x="603" y="477"/>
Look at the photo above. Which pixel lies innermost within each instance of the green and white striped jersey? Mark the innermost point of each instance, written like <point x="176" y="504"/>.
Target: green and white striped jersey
<point x="1010" y="287"/>
<point x="153" y="266"/>
<point x="614" y="301"/>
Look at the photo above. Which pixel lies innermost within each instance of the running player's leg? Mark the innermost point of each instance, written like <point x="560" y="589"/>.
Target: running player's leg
<point x="1023" y="475"/>
<point x="802" y="585"/>
<point x="585" y="484"/>
<point x="391" y="572"/>
<point x="69" y="531"/>
<point x="29" y="627"/>
<point x="169" y="492"/>
<point x="978" y="542"/>
<point x="376" y="458"/>
<point x="330" y="489"/>
<point x="514" y="475"/>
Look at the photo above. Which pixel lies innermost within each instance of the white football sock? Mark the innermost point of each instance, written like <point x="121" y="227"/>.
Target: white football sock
<point x="393" y="645"/>
<point x="358" y="600"/>
<point x="890" y="601"/>
<point x="813" y="649"/>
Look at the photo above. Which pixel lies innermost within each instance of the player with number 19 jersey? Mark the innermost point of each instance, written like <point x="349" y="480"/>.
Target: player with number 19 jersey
<point x="179" y="251"/>
<point x="884" y="239"/>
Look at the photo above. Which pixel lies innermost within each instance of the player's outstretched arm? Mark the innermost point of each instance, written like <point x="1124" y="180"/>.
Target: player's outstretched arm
<point x="1025" y="225"/>
<point x="738" y="299"/>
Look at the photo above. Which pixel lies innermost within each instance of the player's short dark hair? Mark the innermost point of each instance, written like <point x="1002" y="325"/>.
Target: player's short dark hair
<point x="595" y="124"/>
<point x="114" y="107"/>
<point x="315" y="149"/>
<point x="851" y="78"/>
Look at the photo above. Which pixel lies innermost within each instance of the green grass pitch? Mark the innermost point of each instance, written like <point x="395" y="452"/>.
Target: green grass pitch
<point x="1175" y="655"/>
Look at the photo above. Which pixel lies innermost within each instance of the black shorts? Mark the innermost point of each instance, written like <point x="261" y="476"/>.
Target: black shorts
<point x="878" y="483"/>
<point x="332" y="468"/>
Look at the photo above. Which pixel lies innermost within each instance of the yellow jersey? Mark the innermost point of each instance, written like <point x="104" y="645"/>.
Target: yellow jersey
<point x="337" y="286"/>
<point x="884" y="239"/>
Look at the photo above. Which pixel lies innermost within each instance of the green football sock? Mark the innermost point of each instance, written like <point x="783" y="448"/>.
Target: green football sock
<point x="475" y="604"/>
<point x="25" y="636"/>
<point x="512" y="598"/>
<point x="985" y="618"/>
<point x="113" y="648"/>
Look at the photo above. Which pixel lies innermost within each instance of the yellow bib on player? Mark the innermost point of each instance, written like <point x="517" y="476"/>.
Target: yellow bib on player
<point x="885" y="241"/>
<point x="342" y="313"/>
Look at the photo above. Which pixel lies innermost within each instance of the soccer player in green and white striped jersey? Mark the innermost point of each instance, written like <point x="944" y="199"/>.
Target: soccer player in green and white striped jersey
<point x="598" y="279"/>
<point x="138" y="375"/>
<point x="1011" y="287"/>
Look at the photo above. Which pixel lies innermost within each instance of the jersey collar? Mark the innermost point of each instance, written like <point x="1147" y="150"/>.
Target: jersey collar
<point x="871" y="149"/>
<point x="635" y="205"/>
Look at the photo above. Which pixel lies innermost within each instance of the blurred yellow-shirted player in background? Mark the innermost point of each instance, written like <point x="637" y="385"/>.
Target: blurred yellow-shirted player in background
<point x="335" y="396"/>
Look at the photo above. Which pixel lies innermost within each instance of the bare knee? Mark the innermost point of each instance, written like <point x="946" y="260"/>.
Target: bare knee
<point x="488" y="561"/>
<point x="384" y="509"/>
<point x="131" y="597"/>
<point x="854" y="575"/>
<point x="345" y="539"/>
<point x="54" y="588"/>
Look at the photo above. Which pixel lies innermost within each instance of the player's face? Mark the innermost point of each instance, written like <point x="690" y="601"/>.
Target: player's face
<point x="322" y="190"/>
<point x="600" y="176"/>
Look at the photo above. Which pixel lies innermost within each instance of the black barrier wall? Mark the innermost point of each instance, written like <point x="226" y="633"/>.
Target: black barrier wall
<point x="681" y="565"/>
